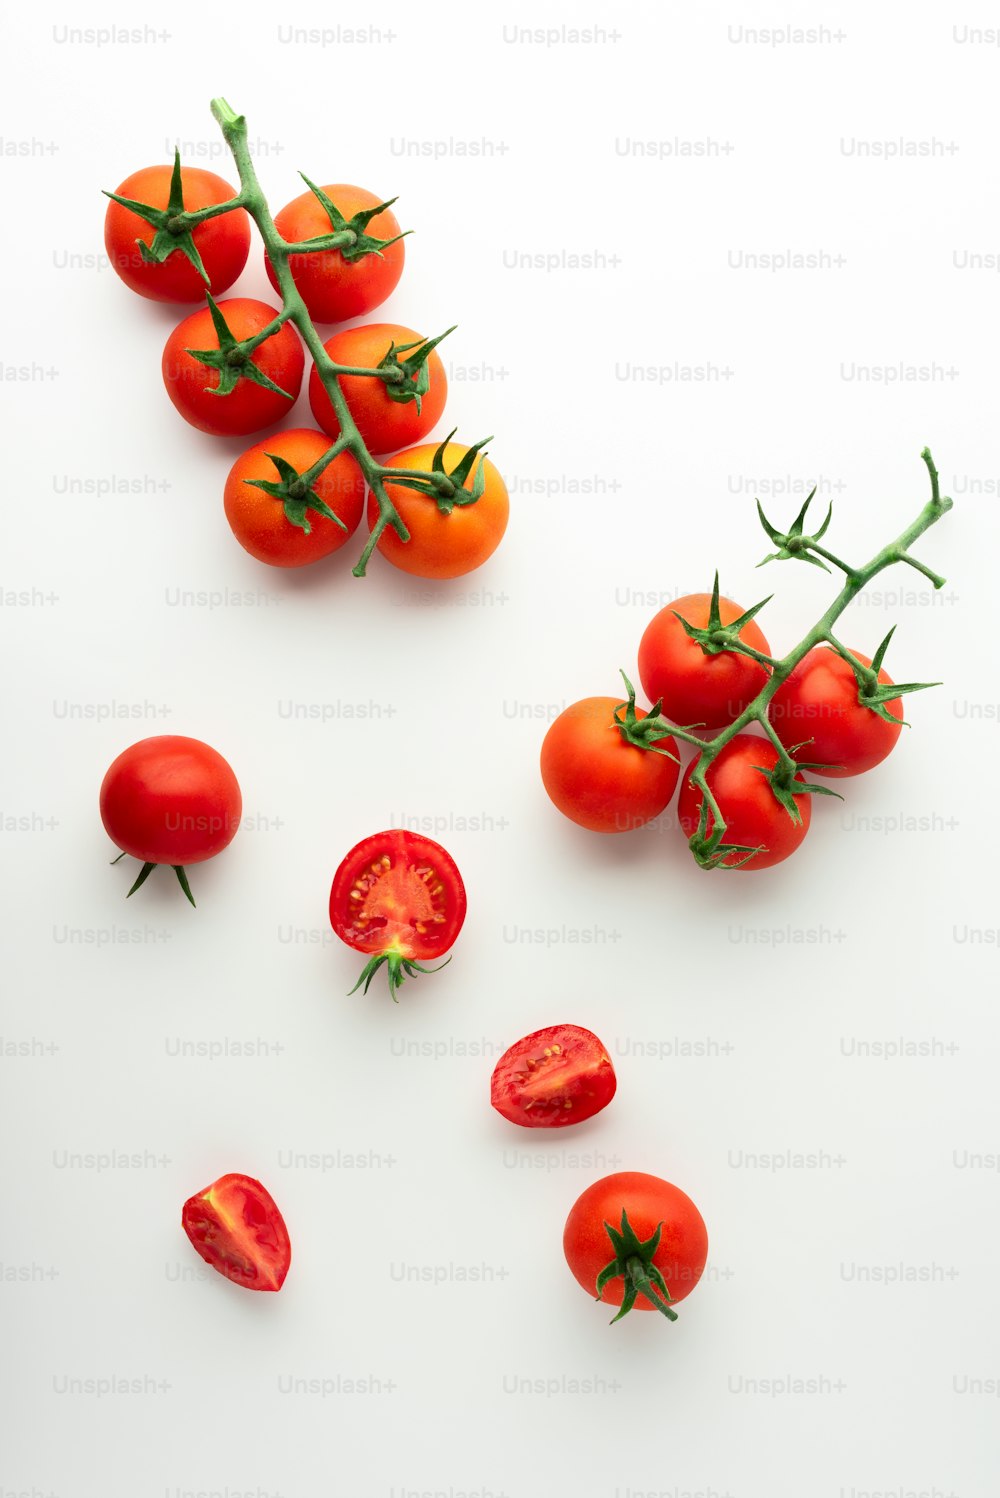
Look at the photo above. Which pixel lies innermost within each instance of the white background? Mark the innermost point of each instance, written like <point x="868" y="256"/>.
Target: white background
<point x="735" y="1008"/>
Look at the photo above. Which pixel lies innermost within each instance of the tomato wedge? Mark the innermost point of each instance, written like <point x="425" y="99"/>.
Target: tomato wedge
<point x="553" y="1077"/>
<point x="399" y="897"/>
<point x="236" y="1227"/>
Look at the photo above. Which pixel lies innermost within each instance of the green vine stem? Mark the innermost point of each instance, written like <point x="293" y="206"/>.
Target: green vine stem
<point x="175" y="229"/>
<point x="795" y="544"/>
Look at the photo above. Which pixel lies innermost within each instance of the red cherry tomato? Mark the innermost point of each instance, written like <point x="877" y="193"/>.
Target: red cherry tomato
<point x="333" y="288"/>
<point x="258" y="519"/>
<point x="599" y="780"/>
<point x="399" y="897"/>
<point x="236" y="1227"/>
<point x="223" y="243"/>
<point x="553" y="1077"/>
<point x="171" y="800"/>
<point x="697" y="687"/>
<point x="651" y="1206"/>
<point x="754" y="816"/>
<point x="248" y="407"/>
<point x="384" y="424"/>
<point x="820" y="708"/>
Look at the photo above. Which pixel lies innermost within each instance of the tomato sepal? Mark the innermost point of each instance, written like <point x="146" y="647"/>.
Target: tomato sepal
<point x="166" y="239"/>
<point x="148" y="868"/>
<point x="398" y="969"/>
<point x="785" y="786"/>
<point x="409" y="379"/>
<point x="642" y="731"/>
<point x="350" y="249"/>
<point x="793" y="545"/>
<point x="296" y="497"/>
<point x="874" y="694"/>
<point x="633" y="1262"/>
<point x="232" y="358"/>
<point x="717" y="637"/>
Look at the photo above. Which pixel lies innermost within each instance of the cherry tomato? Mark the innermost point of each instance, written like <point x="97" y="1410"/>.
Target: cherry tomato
<point x="441" y="545"/>
<point x="259" y="520"/>
<point x="553" y="1077"/>
<point x="333" y="288"/>
<point x="695" y="686"/>
<point x="384" y="424"/>
<point x="820" y="708"/>
<point x="236" y="1227"/>
<point x="249" y="406"/>
<point x="754" y="816"/>
<point x="170" y="800"/>
<point x="399" y="897"/>
<point x="646" y="1271"/>
<point x="598" y="779"/>
<point x="223" y="242"/>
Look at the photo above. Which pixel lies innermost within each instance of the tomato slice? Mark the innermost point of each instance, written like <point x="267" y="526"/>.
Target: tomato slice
<point x="236" y="1227"/>
<point x="400" y="897"/>
<point x="553" y="1077"/>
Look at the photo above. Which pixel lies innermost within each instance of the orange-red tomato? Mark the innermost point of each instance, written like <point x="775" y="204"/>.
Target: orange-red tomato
<point x="697" y="687"/>
<point x="443" y="545"/>
<point x="384" y="424"/>
<point x="754" y="816"/>
<point x="258" y="519"/>
<point x="249" y="407"/>
<point x="223" y="243"/>
<point x="333" y="288"/>
<point x="599" y="780"/>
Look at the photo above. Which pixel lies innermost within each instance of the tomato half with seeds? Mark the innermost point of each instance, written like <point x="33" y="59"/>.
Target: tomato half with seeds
<point x="443" y="545"/>
<point x="222" y="243"/>
<point x="552" y="1078"/>
<point x="821" y="709"/>
<point x="598" y="779"/>
<point x="172" y="800"/>
<point x="399" y="898"/>
<point x="696" y="686"/>
<point x="385" y="424"/>
<point x="236" y="1227"/>
<point x="755" y="818"/>
<point x="635" y="1240"/>
<point x="249" y="406"/>
<point x="260" y="520"/>
<point x="333" y="288"/>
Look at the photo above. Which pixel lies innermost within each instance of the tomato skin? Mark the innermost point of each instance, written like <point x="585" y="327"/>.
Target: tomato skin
<point x="443" y="546"/>
<point x="258" y="519"/>
<point x="384" y="424"/>
<point x="170" y="799"/>
<point x="333" y="288"/>
<point x="552" y="1078"/>
<point x="648" y="1201"/>
<point x="248" y="407"/>
<point x="397" y="898"/>
<point x="753" y="814"/>
<point x="696" y="688"/>
<point x="223" y="243"/>
<point x="819" y="703"/>
<point x="597" y="779"/>
<point x="236" y="1227"/>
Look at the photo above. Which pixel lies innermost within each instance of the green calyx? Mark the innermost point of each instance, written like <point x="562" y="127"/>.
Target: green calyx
<point x="716" y="636"/>
<point x="794" y="544"/>
<point x="874" y="694"/>
<point x="147" y="869"/>
<point x="398" y="969"/>
<point x="232" y="358"/>
<point x="348" y="235"/>
<point x="642" y="732"/>
<point x="785" y="787"/>
<point x="297" y="497"/>
<point x="409" y="379"/>
<point x="174" y="227"/>
<point x="448" y="488"/>
<point x="633" y="1262"/>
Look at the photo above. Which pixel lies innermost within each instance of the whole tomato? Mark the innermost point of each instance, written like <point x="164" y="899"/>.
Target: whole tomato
<point x="819" y="714"/>
<point x="250" y="405"/>
<point x="333" y="286"/>
<point x="222" y="243"/>
<point x="443" y="545"/>
<point x="385" y="424"/>
<point x="260" y="521"/>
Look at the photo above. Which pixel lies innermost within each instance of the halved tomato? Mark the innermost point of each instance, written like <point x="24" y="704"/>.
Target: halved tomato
<point x="400" y="897"/>
<point x="236" y="1227"/>
<point x="553" y="1077"/>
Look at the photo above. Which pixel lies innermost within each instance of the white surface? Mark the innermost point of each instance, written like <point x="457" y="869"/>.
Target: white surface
<point x="903" y="923"/>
